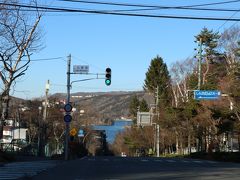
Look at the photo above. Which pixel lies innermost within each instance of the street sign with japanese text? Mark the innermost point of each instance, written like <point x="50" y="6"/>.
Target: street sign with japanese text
<point x="206" y="94"/>
<point x="81" y="69"/>
<point x="144" y="119"/>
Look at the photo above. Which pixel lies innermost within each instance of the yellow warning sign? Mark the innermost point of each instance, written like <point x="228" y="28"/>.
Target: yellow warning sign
<point x="73" y="132"/>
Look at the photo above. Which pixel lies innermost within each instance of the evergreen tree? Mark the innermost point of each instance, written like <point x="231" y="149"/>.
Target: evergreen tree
<point x="144" y="106"/>
<point x="212" y="63"/>
<point x="157" y="77"/>
<point x="209" y="41"/>
<point x="133" y="107"/>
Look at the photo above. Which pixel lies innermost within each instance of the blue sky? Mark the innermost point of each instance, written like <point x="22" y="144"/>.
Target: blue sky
<point x="125" y="44"/>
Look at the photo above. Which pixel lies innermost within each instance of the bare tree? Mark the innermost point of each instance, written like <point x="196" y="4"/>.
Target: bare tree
<point x="19" y="38"/>
<point x="180" y="73"/>
<point x="229" y="44"/>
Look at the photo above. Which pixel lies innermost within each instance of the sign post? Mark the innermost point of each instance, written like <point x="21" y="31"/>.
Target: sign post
<point x="144" y="119"/>
<point x="206" y="94"/>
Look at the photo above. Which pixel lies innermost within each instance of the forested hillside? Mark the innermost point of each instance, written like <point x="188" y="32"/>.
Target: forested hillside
<point x="104" y="107"/>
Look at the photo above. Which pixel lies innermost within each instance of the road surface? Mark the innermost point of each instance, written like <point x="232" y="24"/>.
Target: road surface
<point x="117" y="168"/>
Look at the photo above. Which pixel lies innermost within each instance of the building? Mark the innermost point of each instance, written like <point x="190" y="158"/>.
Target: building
<point x="13" y="133"/>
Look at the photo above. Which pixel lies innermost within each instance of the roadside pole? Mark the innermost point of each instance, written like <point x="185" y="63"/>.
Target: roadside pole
<point x="157" y="111"/>
<point x="157" y="140"/>
<point x="67" y="102"/>
<point x="44" y="123"/>
<point x="199" y="63"/>
<point x="78" y="69"/>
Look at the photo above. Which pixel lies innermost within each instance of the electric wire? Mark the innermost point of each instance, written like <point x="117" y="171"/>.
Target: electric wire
<point x="121" y="14"/>
<point x="150" y="6"/>
<point x="47" y="59"/>
<point x="35" y="60"/>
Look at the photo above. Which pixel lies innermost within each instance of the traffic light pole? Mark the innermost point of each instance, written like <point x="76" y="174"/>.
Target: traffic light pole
<point x="67" y="117"/>
<point x="67" y="102"/>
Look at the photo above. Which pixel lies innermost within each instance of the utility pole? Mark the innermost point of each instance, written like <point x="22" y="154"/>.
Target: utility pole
<point x="157" y="102"/>
<point x="67" y="102"/>
<point x="45" y="117"/>
<point x="43" y="125"/>
<point x="157" y="125"/>
<point x="39" y="131"/>
<point x="158" y="140"/>
<point x="199" y="63"/>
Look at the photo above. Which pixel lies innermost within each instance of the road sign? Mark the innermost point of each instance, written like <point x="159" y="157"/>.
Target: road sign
<point x="206" y="94"/>
<point x="80" y="133"/>
<point x="81" y="69"/>
<point x="73" y="132"/>
<point x="144" y="118"/>
<point x="67" y="118"/>
<point x="68" y="107"/>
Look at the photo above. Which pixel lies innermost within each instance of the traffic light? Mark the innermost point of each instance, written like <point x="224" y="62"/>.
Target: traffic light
<point x="108" y="76"/>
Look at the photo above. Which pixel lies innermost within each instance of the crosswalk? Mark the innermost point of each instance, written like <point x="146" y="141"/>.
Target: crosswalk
<point x="23" y="170"/>
<point x="160" y="160"/>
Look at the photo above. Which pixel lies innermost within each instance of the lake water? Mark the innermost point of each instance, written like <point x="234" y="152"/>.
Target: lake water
<point x="111" y="131"/>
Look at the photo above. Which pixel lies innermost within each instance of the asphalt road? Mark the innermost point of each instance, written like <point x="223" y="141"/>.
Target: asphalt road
<point x="116" y="168"/>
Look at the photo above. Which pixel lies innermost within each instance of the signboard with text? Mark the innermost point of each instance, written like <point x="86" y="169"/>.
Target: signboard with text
<point x="144" y="118"/>
<point x="81" y="69"/>
<point x="206" y="94"/>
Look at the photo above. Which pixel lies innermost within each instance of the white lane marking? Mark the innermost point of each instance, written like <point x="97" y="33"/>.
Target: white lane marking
<point x="144" y="160"/>
<point x="24" y="169"/>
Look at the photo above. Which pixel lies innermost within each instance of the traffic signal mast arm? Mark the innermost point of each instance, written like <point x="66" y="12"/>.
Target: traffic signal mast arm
<point x="107" y="76"/>
<point x="85" y="80"/>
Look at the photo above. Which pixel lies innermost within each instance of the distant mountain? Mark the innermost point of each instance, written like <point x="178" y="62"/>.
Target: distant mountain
<point x="104" y="106"/>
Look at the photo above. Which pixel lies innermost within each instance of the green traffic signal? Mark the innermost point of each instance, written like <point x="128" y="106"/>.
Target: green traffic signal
<point x="108" y="82"/>
<point x="108" y="76"/>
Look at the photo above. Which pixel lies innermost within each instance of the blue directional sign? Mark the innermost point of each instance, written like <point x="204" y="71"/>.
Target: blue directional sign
<point x="206" y="94"/>
<point x="80" y="133"/>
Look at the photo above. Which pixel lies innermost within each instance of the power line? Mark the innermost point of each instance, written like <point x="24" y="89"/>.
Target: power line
<point x="227" y="21"/>
<point x="154" y="7"/>
<point x="149" y="9"/>
<point x="121" y="14"/>
<point x="145" y="9"/>
<point x="46" y="59"/>
<point x="149" y="6"/>
<point x="179" y="8"/>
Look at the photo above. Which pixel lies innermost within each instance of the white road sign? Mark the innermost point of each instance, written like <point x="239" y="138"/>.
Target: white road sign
<point x="81" y="69"/>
